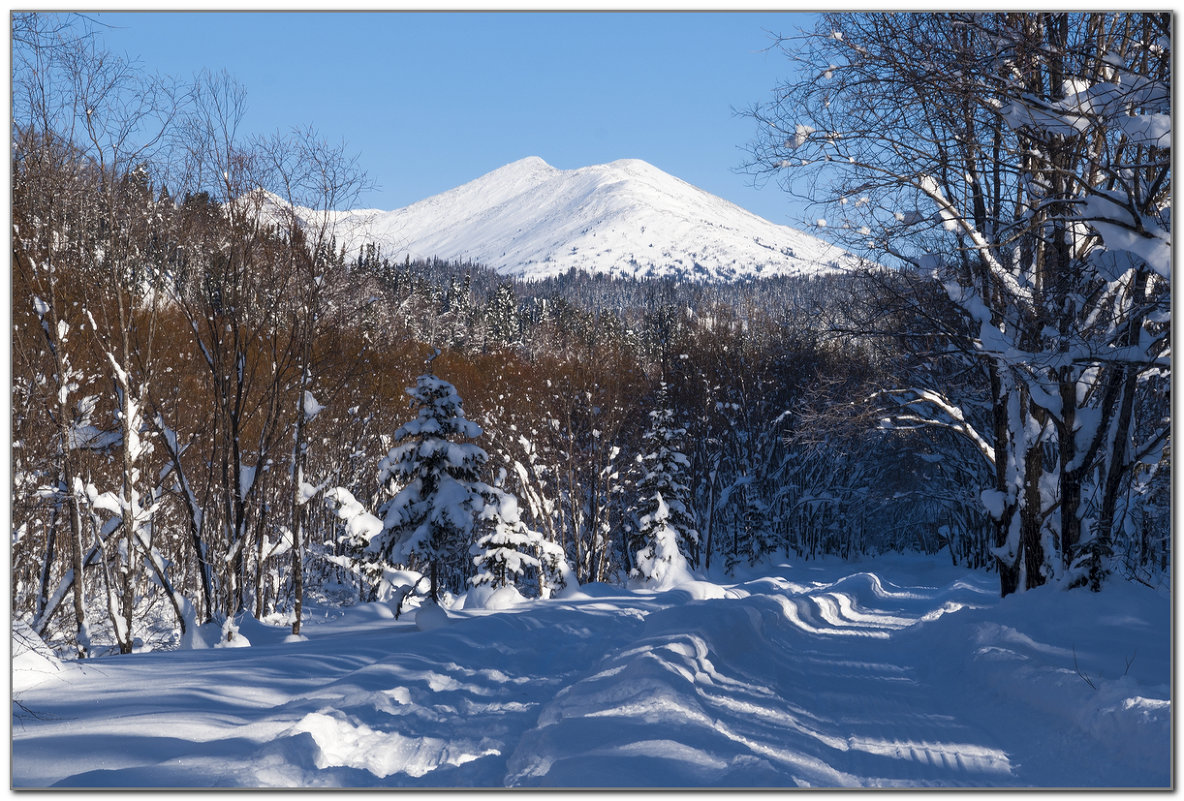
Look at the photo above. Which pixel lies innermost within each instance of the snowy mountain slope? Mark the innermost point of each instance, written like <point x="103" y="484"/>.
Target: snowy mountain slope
<point x="531" y="220"/>
<point x="899" y="672"/>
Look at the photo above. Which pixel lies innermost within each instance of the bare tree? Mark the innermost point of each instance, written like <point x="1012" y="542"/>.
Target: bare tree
<point x="232" y="296"/>
<point x="314" y="179"/>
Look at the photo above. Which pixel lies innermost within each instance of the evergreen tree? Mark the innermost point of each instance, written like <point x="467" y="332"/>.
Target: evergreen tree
<point x="660" y="560"/>
<point x="502" y="555"/>
<point x="510" y="552"/>
<point x="502" y="319"/>
<point x="667" y="537"/>
<point x="429" y="522"/>
<point x="752" y="540"/>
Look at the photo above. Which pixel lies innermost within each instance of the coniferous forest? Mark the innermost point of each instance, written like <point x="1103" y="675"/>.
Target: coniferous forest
<point x="217" y="408"/>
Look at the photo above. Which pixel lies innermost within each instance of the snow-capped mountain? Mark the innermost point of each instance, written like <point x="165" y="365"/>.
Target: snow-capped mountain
<point x="627" y="218"/>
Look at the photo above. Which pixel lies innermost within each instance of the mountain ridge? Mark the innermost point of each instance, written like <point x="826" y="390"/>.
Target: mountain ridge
<point x="530" y="220"/>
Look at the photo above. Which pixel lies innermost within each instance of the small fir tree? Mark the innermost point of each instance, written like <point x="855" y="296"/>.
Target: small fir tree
<point x="502" y="554"/>
<point x="667" y="538"/>
<point x="660" y="560"/>
<point x="511" y="553"/>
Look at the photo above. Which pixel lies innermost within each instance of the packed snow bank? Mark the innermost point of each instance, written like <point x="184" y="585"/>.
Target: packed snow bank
<point x="897" y="673"/>
<point x="1097" y="666"/>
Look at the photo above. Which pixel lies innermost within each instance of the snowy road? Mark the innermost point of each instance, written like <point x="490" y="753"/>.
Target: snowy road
<point x="820" y="675"/>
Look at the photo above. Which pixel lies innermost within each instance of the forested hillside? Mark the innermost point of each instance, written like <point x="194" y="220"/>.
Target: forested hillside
<point x="216" y="410"/>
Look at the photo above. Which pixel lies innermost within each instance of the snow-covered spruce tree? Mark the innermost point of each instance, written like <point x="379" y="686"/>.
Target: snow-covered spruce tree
<point x="438" y="497"/>
<point x="502" y="320"/>
<point x="1021" y="164"/>
<point x="509" y="552"/>
<point x="502" y="555"/>
<point x="667" y="538"/>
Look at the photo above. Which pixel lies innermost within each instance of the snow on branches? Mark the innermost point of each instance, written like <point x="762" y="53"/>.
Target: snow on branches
<point x="667" y="534"/>
<point x="1037" y="147"/>
<point x="441" y="510"/>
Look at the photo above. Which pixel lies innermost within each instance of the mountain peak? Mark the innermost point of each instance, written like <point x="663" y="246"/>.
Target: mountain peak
<point x="631" y="165"/>
<point x="626" y="218"/>
<point x="529" y="165"/>
<point x="533" y="162"/>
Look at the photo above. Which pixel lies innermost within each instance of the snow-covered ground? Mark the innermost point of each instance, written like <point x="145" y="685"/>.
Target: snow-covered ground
<point x="893" y="672"/>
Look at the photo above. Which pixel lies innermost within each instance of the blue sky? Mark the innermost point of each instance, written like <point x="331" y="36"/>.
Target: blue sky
<point x="431" y="100"/>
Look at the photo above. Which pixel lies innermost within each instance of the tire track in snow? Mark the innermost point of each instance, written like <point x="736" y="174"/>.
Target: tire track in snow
<point x="791" y="685"/>
<point x="449" y="713"/>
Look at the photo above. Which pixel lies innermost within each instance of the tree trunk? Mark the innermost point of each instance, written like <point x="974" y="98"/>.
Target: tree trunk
<point x="130" y="513"/>
<point x="1032" y="519"/>
<point x="297" y="571"/>
<point x="82" y="639"/>
<point x="51" y="536"/>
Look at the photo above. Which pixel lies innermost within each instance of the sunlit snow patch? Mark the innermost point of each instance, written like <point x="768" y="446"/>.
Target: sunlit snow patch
<point x="341" y="743"/>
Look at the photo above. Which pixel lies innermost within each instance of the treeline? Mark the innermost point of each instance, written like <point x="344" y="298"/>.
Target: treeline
<point x="207" y="391"/>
